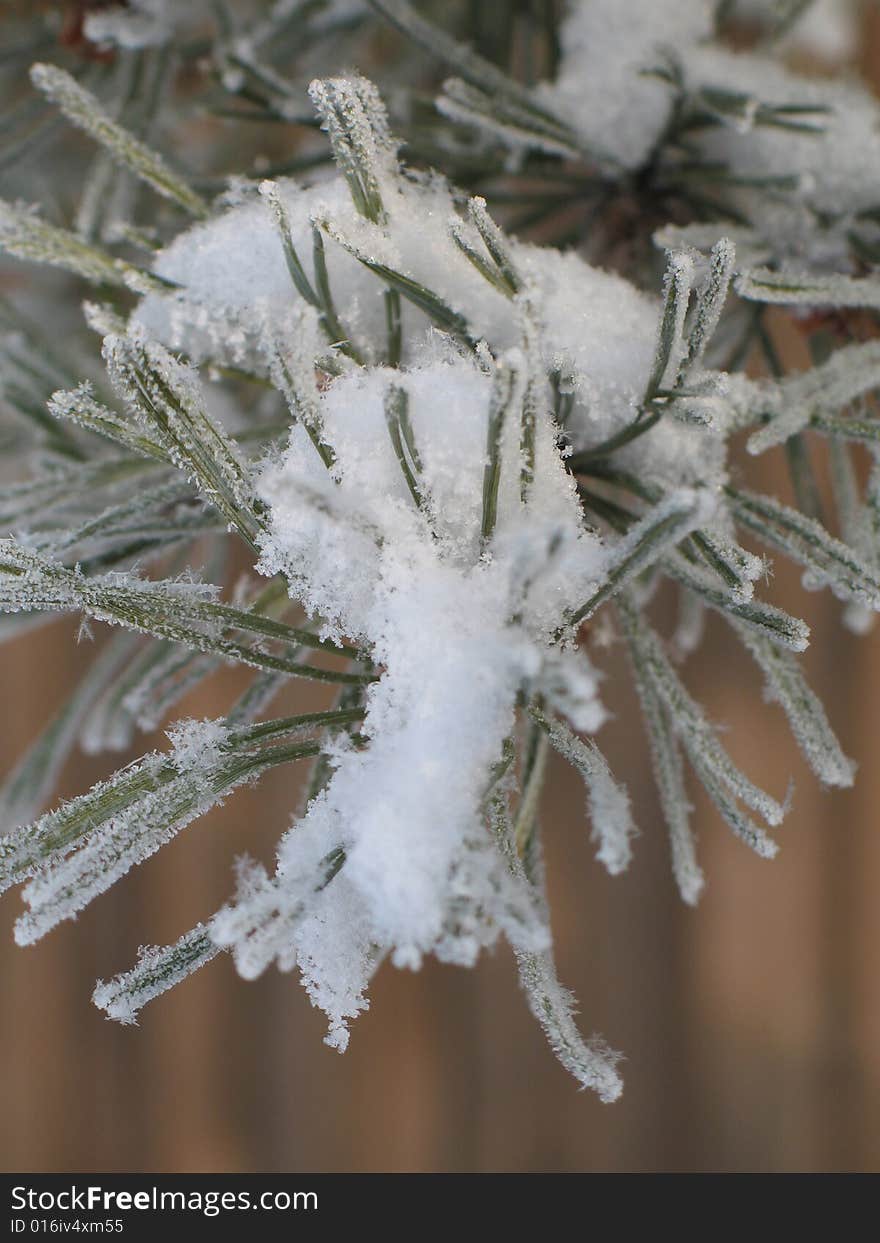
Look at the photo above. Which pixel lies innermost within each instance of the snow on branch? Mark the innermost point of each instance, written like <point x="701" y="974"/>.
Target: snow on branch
<point x="446" y="448"/>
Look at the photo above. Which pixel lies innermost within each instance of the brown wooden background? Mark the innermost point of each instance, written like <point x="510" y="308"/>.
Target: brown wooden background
<point x="751" y="1026"/>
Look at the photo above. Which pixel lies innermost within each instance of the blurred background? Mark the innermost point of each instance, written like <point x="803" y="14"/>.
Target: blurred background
<point x="751" y="1026"/>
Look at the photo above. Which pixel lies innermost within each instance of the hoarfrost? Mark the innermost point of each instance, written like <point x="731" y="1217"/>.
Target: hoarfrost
<point x="594" y="326"/>
<point x="441" y="379"/>
<point x="594" y="329"/>
<point x="458" y="630"/>
<point x="138" y="24"/>
<point x="605" y="88"/>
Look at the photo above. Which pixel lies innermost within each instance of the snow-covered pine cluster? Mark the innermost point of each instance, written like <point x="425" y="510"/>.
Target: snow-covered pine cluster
<point x="445" y="448"/>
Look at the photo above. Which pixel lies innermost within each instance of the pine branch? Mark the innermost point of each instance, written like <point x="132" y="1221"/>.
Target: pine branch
<point x="81" y="107"/>
<point x="166" y="399"/>
<point x="808" y="289"/>
<point x="156" y="971"/>
<point x="457" y="487"/>
<point x="183" y="612"/>
<point x="25" y="235"/>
